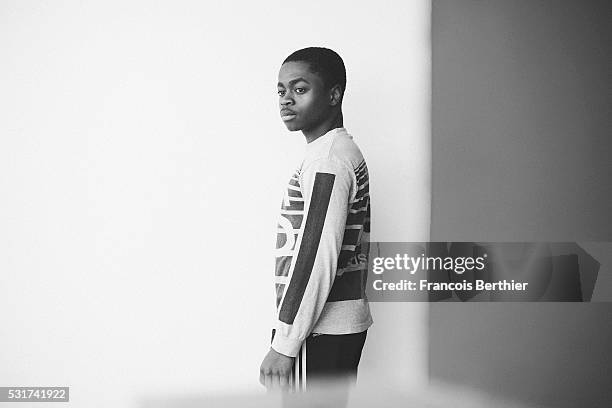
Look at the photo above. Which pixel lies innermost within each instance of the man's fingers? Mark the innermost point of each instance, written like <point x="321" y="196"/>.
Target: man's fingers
<point x="268" y="380"/>
<point x="284" y="381"/>
<point x="275" y="370"/>
<point x="276" y="380"/>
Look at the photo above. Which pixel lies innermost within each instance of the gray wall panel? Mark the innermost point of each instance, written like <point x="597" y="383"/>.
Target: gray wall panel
<point x="521" y="152"/>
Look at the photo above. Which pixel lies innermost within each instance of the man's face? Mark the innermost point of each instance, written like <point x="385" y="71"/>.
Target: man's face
<point x="303" y="100"/>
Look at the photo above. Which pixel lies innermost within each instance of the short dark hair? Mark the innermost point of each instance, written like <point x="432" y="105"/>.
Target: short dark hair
<point x="323" y="61"/>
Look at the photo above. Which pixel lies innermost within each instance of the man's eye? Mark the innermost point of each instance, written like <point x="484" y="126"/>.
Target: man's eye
<point x="281" y="93"/>
<point x="300" y="90"/>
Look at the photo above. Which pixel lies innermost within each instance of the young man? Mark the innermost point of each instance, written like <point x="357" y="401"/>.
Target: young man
<point x="323" y="233"/>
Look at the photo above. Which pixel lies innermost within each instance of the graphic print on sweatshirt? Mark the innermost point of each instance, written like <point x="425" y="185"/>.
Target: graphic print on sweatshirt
<point x="297" y="262"/>
<point x="351" y="275"/>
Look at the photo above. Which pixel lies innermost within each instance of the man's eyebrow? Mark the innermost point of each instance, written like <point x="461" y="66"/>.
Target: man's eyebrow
<point x="294" y="81"/>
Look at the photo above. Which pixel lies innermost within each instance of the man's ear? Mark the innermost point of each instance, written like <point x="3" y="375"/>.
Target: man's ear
<point x="335" y="95"/>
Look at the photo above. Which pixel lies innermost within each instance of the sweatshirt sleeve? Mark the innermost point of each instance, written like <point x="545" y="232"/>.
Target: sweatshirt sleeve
<point x="327" y="188"/>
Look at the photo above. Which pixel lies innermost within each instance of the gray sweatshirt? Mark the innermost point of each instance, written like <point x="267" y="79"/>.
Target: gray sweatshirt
<point x="322" y="245"/>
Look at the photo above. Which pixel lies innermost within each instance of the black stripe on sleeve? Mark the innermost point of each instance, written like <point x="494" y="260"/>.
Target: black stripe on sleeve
<point x="319" y="202"/>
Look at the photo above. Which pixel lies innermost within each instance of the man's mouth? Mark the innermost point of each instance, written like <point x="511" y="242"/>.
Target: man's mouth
<point x="287" y="115"/>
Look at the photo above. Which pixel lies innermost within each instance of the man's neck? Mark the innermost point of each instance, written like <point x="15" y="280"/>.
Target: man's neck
<point x="332" y="122"/>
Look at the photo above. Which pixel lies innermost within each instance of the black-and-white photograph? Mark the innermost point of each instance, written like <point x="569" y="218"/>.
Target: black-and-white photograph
<point x="321" y="204"/>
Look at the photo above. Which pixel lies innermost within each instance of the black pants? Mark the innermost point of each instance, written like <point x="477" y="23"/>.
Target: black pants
<point x="324" y="358"/>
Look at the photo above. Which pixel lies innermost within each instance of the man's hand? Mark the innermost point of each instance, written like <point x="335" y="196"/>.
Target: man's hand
<point x="275" y="370"/>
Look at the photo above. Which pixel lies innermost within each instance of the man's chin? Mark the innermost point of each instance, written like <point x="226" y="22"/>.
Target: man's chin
<point x="292" y="127"/>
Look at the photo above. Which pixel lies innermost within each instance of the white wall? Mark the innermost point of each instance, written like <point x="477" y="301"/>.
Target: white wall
<point x="142" y="162"/>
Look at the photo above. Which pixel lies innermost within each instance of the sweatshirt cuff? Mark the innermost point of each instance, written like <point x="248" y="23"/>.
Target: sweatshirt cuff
<point x="285" y="345"/>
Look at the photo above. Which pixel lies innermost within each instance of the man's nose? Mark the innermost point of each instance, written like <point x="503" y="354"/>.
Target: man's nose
<point x="286" y="99"/>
